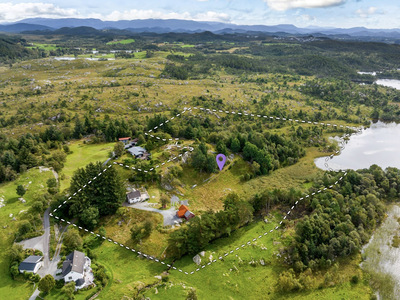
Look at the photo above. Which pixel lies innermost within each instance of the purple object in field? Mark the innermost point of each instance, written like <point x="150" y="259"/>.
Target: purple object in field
<point x="221" y="163"/>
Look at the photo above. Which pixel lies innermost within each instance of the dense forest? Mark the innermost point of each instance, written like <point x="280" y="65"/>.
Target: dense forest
<point x="337" y="222"/>
<point x="12" y="48"/>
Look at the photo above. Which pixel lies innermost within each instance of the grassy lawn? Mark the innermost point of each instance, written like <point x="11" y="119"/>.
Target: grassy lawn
<point x="140" y="55"/>
<point x="235" y="278"/>
<point x="126" y="41"/>
<point x="118" y="227"/>
<point x="187" y="46"/>
<point x="128" y="271"/>
<point x="57" y="294"/>
<point x="16" y="289"/>
<point x="82" y="155"/>
<point x="209" y="194"/>
<point x="47" y="47"/>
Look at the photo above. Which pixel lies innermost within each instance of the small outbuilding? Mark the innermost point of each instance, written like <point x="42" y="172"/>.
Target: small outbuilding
<point x="31" y="264"/>
<point x="184" y="212"/>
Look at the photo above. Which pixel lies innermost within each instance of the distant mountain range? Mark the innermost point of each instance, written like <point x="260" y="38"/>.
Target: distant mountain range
<point x="173" y="25"/>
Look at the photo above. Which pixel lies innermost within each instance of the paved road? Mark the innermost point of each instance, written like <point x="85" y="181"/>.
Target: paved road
<point x="169" y="215"/>
<point x="48" y="267"/>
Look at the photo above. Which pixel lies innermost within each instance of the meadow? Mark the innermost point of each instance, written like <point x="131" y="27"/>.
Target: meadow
<point x="47" y="47"/>
<point x="35" y="182"/>
<point x="124" y="42"/>
<point x="82" y="154"/>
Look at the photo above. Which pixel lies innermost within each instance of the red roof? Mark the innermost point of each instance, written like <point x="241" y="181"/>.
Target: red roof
<point x="182" y="210"/>
<point x="124" y="139"/>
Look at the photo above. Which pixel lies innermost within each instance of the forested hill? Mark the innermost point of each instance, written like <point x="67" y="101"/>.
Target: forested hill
<point x="11" y="48"/>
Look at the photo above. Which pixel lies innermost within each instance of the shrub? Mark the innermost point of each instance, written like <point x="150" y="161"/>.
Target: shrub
<point x="355" y="279"/>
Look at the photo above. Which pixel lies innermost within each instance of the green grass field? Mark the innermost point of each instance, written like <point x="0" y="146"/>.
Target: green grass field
<point x="9" y="288"/>
<point x="47" y="47"/>
<point x="108" y="55"/>
<point x="233" y="278"/>
<point x="126" y="41"/>
<point x="82" y="155"/>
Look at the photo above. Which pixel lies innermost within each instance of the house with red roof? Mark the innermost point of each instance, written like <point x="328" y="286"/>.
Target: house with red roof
<point x="125" y="140"/>
<point x="184" y="212"/>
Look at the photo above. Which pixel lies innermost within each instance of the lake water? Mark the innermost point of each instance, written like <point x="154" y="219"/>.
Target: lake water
<point x="382" y="259"/>
<point x="394" y="83"/>
<point x="370" y="73"/>
<point x="379" y="144"/>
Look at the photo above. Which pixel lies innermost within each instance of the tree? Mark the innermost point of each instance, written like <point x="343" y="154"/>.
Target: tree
<point x="191" y="295"/>
<point x="164" y="200"/>
<point x="52" y="186"/>
<point x="235" y="145"/>
<point x="102" y="231"/>
<point x="16" y="253"/>
<point x="199" y="160"/>
<point x="72" y="239"/>
<point x="51" y="183"/>
<point x="46" y="283"/>
<point x="119" y="149"/>
<point x="20" y="190"/>
<point x="141" y="230"/>
<point x="211" y="164"/>
<point x="102" y="197"/>
<point x="141" y="140"/>
<point x="255" y="167"/>
<point x="25" y="227"/>
<point x="221" y="147"/>
<point x="69" y="289"/>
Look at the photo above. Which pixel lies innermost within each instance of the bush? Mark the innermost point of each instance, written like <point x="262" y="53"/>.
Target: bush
<point x="355" y="279"/>
<point x="59" y="283"/>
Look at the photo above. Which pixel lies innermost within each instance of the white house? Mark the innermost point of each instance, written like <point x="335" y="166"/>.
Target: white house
<point x="74" y="268"/>
<point x="31" y="264"/>
<point x="134" y="197"/>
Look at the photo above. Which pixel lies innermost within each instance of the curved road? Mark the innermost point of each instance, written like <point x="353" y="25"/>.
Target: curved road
<point x="169" y="215"/>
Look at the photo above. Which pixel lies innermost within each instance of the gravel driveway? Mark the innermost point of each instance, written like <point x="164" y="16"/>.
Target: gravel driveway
<point x="169" y="215"/>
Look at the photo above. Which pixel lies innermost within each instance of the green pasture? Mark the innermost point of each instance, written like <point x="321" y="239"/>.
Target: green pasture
<point x="17" y="289"/>
<point x="124" y="42"/>
<point x="82" y="155"/>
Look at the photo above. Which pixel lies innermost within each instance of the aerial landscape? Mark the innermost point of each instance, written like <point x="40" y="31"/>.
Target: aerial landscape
<point x="200" y="149"/>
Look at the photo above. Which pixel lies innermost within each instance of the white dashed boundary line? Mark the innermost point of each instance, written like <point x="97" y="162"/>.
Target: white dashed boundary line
<point x="358" y="130"/>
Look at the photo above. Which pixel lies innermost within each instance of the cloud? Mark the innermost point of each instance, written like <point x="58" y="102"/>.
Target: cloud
<point x="213" y="16"/>
<point x="13" y="12"/>
<point x="151" y="14"/>
<point x="306" y="18"/>
<point x="289" y="4"/>
<point x="366" y="12"/>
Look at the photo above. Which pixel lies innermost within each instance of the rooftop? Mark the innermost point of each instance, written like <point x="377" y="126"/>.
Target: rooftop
<point x="137" y="150"/>
<point x="134" y="194"/>
<point x="74" y="262"/>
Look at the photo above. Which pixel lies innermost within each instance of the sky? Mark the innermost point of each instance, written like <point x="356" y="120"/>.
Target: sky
<point x="301" y="13"/>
